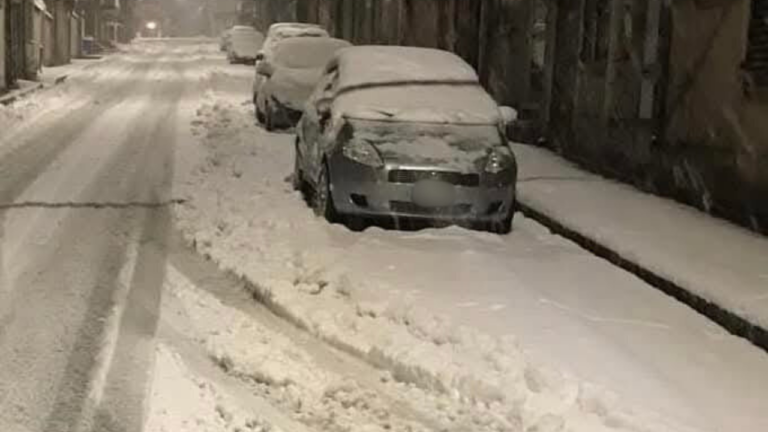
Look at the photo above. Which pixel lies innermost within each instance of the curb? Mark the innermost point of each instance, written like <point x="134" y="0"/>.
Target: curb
<point x="20" y="94"/>
<point x="15" y="96"/>
<point x="730" y="321"/>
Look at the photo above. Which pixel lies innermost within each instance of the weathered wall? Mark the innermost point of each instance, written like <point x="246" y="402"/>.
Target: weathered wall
<point x="61" y="32"/>
<point x="717" y="137"/>
<point x="2" y="46"/>
<point x="706" y="140"/>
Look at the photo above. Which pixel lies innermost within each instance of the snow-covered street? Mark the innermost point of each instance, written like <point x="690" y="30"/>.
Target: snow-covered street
<point x="159" y="273"/>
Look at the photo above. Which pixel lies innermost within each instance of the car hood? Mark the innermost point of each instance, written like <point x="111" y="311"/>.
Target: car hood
<point x="462" y="148"/>
<point x="431" y="152"/>
<point x="292" y="87"/>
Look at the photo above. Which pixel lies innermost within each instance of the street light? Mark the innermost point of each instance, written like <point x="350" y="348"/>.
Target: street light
<point x="151" y="25"/>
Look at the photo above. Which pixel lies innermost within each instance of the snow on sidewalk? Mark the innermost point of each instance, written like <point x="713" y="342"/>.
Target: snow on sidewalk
<point x="711" y="258"/>
<point x="538" y="330"/>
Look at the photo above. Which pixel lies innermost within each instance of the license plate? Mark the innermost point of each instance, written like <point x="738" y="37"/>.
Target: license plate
<point x="433" y="193"/>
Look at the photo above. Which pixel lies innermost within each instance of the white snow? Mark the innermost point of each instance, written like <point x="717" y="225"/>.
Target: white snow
<point x="458" y="147"/>
<point x="718" y="261"/>
<point x="282" y="31"/>
<point x="440" y="103"/>
<point x="307" y="53"/>
<point x="369" y="65"/>
<point x="298" y="65"/>
<point x="245" y="42"/>
<point x="542" y="333"/>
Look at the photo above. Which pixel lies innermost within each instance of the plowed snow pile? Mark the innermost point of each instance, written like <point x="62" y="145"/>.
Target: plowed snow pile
<point x="243" y="214"/>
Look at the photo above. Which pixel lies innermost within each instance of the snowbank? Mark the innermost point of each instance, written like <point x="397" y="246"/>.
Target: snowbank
<point x="386" y="297"/>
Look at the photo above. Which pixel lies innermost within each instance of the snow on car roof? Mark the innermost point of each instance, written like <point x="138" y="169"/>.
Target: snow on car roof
<point x="289" y="31"/>
<point x="292" y="24"/>
<point x="363" y="66"/>
<point x="240" y="28"/>
<point x="466" y="103"/>
<point x="303" y="53"/>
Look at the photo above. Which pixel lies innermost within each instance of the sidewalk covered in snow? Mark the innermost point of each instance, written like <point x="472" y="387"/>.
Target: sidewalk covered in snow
<point x="709" y="258"/>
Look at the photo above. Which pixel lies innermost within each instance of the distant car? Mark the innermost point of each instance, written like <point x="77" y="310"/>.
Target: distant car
<point x="290" y="76"/>
<point x="278" y="32"/>
<point x="408" y="133"/>
<point x="244" y="44"/>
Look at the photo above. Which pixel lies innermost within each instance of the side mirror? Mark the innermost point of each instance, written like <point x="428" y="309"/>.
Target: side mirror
<point x="508" y="115"/>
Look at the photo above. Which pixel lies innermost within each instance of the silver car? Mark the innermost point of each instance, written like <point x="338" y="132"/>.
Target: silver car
<point x="290" y="76"/>
<point x="408" y="133"/>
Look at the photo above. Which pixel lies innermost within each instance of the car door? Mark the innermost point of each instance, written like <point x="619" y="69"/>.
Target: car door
<point x="312" y="129"/>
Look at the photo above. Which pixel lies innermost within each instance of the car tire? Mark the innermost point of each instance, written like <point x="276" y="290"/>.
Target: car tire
<point x="259" y="115"/>
<point x="269" y="124"/>
<point x="322" y="200"/>
<point x="503" y="226"/>
<point x="356" y="223"/>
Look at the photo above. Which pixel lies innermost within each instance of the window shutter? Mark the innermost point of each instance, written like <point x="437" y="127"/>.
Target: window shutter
<point x="757" y="51"/>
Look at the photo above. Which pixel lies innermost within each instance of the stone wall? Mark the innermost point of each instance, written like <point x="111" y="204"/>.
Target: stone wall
<point x="2" y="46"/>
<point x="716" y="143"/>
<point x="685" y="125"/>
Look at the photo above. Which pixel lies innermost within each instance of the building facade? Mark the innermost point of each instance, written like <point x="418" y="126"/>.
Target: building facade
<point x="669" y="96"/>
<point x="3" y="83"/>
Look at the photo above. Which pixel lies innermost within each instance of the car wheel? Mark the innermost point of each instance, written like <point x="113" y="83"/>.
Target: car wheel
<point x="504" y="226"/>
<point x="356" y="223"/>
<point x="259" y="115"/>
<point x="269" y="124"/>
<point x="323" y="200"/>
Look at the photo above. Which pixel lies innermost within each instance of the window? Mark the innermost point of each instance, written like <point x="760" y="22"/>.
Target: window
<point x="757" y="50"/>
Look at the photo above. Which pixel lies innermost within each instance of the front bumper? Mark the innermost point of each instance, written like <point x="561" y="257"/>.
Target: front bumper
<point x="364" y="191"/>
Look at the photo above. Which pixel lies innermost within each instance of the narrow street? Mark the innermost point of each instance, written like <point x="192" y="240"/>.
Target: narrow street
<point x="85" y="223"/>
<point x="158" y="273"/>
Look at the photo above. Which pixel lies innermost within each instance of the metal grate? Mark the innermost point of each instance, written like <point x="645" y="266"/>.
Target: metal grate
<point x="757" y="51"/>
<point x="454" y="178"/>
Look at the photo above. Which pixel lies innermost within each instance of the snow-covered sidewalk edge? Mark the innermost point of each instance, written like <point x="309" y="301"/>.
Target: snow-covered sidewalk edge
<point x="50" y="77"/>
<point x="558" y="222"/>
<point x="243" y="216"/>
<point x="544" y="399"/>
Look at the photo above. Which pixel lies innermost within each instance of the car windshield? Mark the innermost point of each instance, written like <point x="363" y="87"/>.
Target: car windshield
<point x="306" y="53"/>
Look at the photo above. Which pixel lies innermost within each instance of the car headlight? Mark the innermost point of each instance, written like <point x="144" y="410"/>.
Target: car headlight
<point x="499" y="159"/>
<point x="363" y="152"/>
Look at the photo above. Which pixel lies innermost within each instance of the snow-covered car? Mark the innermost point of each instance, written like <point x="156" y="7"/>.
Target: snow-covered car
<point x="244" y="44"/>
<point x="290" y="77"/>
<point x="278" y="32"/>
<point x="408" y="133"/>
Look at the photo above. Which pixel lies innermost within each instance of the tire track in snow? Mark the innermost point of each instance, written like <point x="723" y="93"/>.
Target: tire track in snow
<point x="69" y="288"/>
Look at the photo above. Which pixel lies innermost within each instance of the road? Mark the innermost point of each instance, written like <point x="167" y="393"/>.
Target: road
<point x="110" y="320"/>
<point x="85" y="190"/>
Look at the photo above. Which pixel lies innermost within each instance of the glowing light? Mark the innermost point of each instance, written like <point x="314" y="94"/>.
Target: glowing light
<point x="151" y="25"/>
